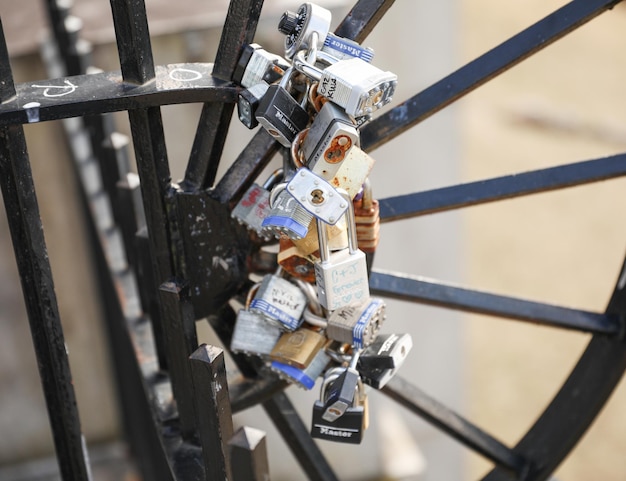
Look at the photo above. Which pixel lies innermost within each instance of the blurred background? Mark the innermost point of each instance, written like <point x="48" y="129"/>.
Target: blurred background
<point x="564" y="247"/>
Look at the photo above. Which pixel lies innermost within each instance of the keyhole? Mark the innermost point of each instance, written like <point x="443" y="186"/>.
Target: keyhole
<point x="317" y="196"/>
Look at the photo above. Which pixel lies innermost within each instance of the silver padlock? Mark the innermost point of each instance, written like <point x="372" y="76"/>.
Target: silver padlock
<point x="257" y="65"/>
<point x="340" y="48"/>
<point x="253" y="335"/>
<point x="341" y="277"/>
<point x="254" y="206"/>
<point x="286" y="215"/>
<point x="317" y="196"/>
<point x="306" y="377"/>
<point x="280" y="114"/>
<point x="329" y="140"/>
<point x="280" y="301"/>
<point x="340" y="389"/>
<point x="300" y="26"/>
<point x="357" y="323"/>
<point x="355" y="85"/>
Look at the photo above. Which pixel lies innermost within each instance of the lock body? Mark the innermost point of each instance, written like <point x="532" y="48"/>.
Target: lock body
<point x="298" y="348"/>
<point x="306" y="377"/>
<point x="253" y="335"/>
<point x="281" y="115"/>
<point x="248" y="103"/>
<point x="357" y="323"/>
<point x="357" y="86"/>
<point x="317" y="196"/>
<point x="280" y="302"/>
<point x="342" y="279"/>
<point x="253" y="208"/>
<point x="347" y="429"/>
<point x="287" y="216"/>
<point x="257" y="65"/>
<point x="329" y="140"/>
<point x="388" y="351"/>
<point x="344" y="48"/>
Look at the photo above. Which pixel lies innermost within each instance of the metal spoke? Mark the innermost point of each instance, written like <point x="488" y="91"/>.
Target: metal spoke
<point x="418" y="289"/>
<point x="499" y="188"/>
<point x="476" y="73"/>
<point x="453" y="424"/>
<point x="362" y="19"/>
<point x="239" y="29"/>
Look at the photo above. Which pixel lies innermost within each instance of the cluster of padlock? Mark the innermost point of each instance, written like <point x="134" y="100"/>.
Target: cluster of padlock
<point x="315" y="316"/>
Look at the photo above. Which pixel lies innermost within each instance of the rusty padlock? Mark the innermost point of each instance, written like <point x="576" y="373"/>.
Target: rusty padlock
<point x="367" y="217"/>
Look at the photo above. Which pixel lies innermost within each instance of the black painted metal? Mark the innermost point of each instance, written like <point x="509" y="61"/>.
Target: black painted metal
<point x="453" y="424"/>
<point x="484" y="68"/>
<point x="499" y="188"/>
<point x="215" y="422"/>
<point x="248" y="455"/>
<point x="284" y="416"/>
<point x="20" y="203"/>
<point x="239" y="29"/>
<point x="362" y="19"/>
<point x="427" y="291"/>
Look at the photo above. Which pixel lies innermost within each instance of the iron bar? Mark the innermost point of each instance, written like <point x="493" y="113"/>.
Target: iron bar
<point x="456" y="426"/>
<point x="293" y="431"/>
<point x="499" y="188"/>
<point x="474" y="74"/>
<point x="248" y="455"/>
<point x="239" y="29"/>
<point x="248" y="165"/>
<point x="179" y="329"/>
<point x="214" y="416"/>
<point x="106" y="92"/>
<point x="362" y="19"/>
<point x="418" y="289"/>
<point x="20" y="202"/>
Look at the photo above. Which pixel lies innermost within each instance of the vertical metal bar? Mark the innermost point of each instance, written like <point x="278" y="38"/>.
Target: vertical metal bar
<point x="20" y="202"/>
<point x="214" y="416"/>
<point x="180" y="342"/>
<point x="239" y="29"/>
<point x="284" y="416"/>
<point x="133" y="41"/>
<point x="248" y="455"/>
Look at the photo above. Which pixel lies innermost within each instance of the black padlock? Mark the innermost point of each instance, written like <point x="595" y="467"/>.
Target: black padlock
<point x="280" y="114"/>
<point x="248" y="103"/>
<point x="346" y="429"/>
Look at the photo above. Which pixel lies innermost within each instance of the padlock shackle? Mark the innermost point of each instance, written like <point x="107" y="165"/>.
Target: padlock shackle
<point x="322" y="239"/>
<point x="351" y="222"/>
<point x="274" y="178"/>
<point x="302" y="66"/>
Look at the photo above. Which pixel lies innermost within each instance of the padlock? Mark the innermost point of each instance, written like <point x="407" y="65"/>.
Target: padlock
<point x="341" y="48"/>
<point x="347" y="428"/>
<point x="298" y="348"/>
<point x="295" y="262"/>
<point x="286" y="215"/>
<point x="280" y="301"/>
<point x="317" y="196"/>
<point x="341" y="277"/>
<point x="300" y="26"/>
<point x="253" y="335"/>
<point x="393" y="350"/>
<point x="280" y="114"/>
<point x="254" y="206"/>
<point x="388" y="351"/>
<point x="329" y="140"/>
<point x="367" y="218"/>
<point x="248" y="102"/>
<point x="355" y="85"/>
<point x="357" y="323"/>
<point x="353" y="172"/>
<point x="306" y="377"/>
<point x="340" y="392"/>
<point x="257" y="65"/>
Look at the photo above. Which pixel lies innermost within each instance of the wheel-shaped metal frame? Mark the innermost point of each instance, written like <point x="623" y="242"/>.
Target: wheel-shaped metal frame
<point x="154" y="219"/>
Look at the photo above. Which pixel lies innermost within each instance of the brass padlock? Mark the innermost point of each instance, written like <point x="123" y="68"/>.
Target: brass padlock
<point x="367" y="218"/>
<point x="298" y="348"/>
